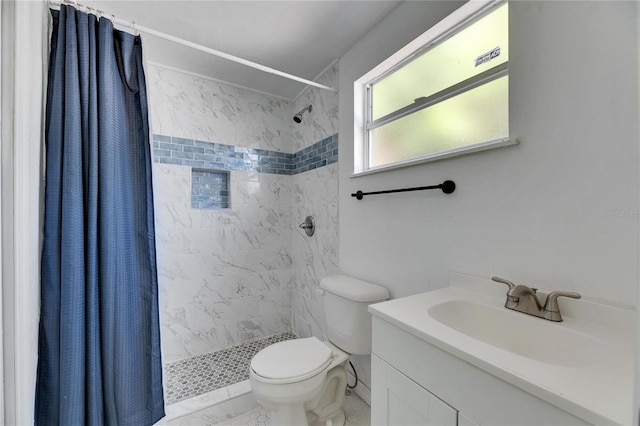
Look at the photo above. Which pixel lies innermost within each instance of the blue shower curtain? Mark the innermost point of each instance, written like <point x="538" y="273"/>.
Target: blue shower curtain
<point x="99" y="346"/>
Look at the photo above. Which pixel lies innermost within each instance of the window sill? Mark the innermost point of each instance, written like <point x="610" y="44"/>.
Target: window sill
<point x="470" y="149"/>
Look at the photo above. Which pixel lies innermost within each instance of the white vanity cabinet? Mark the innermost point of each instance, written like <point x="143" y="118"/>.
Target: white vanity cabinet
<point x="456" y="355"/>
<point x="417" y="383"/>
<point x="399" y="401"/>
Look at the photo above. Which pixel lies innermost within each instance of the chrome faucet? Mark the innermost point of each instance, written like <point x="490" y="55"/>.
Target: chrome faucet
<point x="524" y="299"/>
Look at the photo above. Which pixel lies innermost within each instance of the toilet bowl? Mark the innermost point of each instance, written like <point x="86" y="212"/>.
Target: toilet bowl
<point x="303" y="381"/>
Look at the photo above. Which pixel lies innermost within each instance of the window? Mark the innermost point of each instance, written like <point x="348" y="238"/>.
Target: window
<point x="445" y="94"/>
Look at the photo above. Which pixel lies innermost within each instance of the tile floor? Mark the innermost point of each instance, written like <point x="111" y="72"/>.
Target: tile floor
<point x="356" y="410"/>
<point x="216" y="370"/>
<point x="204" y="373"/>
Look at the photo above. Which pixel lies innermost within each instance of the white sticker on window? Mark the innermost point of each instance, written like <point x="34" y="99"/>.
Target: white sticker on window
<point x="488" y="56"/>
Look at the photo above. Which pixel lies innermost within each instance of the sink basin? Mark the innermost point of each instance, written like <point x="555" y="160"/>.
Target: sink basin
<point x="518" y="333"/>
<point x="583" y="365"/>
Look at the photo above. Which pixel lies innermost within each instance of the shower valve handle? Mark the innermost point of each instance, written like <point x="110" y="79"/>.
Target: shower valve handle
<point x="308" y="225"/>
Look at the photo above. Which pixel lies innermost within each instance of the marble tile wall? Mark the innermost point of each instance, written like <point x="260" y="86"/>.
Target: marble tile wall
<point x="322" y="121"/>
<point x="224" y="275"/>
<point x="230" y="275"/>
<point x="193" y="107"/>
<point x="315" y="193"/>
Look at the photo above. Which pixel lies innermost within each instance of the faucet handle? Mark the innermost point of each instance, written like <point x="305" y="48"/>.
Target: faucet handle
<point x="503" y="281"/>
<point x="551" y="308"/>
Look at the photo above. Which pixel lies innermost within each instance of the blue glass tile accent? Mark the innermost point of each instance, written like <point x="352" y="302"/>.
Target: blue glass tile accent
<point x="182" y="155"/>
<point x="181" y="141"/>
<point x="193" y="163"/>
<point x="194" y="149"/>
<point x="162" y="152"/>
<point x="209" y="189"/>
<point x="224" y="157"/>
<point x="169" y="160"/>
<point x="320" y="154"/>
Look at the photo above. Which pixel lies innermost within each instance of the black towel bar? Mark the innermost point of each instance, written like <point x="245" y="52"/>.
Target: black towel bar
<point x="448" y="186"/>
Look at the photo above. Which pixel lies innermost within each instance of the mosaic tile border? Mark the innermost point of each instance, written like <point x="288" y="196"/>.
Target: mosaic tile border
<point x="205" y="373"/>
<point x="317" y="155"/>
<point x="194" y="153"/>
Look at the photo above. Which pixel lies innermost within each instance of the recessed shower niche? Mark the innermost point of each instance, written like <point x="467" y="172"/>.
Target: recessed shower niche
<point x="209" y="189"/>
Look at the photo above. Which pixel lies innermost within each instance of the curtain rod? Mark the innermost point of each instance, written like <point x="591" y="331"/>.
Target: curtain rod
<point x="192" y="45"/>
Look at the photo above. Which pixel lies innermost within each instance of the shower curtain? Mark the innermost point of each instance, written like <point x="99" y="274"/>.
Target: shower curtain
<point x="99" y="345"/>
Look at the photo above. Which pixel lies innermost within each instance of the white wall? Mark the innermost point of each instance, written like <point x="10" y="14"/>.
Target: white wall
<point x="559" y="211"/>
<point x="24" y="56"/>
<point x="375" y="236"/>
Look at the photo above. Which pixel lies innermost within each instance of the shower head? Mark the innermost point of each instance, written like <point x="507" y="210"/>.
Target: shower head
<point x="298" y="117"/>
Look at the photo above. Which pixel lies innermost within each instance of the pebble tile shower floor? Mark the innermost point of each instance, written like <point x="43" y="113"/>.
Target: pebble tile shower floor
<point x="204" y="373"/>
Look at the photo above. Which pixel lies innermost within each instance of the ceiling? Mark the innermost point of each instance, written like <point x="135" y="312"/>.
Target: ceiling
<point x="301" y="37"/>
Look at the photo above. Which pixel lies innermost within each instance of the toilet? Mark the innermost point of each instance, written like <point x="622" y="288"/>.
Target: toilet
<point x="303" y="381"/>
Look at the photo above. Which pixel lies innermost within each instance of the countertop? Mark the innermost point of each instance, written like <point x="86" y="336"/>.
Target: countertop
<point x="600" y="392"/>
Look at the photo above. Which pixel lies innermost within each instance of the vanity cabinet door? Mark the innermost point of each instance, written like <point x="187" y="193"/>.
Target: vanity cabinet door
<point x="397" y="400"/>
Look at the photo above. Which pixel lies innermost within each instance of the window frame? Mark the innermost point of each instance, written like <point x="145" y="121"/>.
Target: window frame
<point x="461" y="18"/>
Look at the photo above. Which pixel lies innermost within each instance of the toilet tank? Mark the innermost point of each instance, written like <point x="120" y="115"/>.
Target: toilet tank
<point x="345" y="301"/>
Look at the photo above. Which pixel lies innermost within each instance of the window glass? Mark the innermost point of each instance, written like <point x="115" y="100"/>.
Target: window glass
<point x="447" y="95"/>
<point x="449" y="62"/>
<point x="472" y="117"/>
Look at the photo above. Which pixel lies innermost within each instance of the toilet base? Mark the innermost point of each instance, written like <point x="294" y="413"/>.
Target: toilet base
<point x="338" y="419"/>
<point x="328" y="406"/>
<point x="324" y="408"/>
<point x="287" y="414"/>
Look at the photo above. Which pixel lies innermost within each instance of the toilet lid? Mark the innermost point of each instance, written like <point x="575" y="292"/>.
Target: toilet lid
<point x="292" y="360"/>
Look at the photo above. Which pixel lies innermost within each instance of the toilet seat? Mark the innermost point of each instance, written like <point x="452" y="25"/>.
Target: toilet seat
<point x="291" y="361"/>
